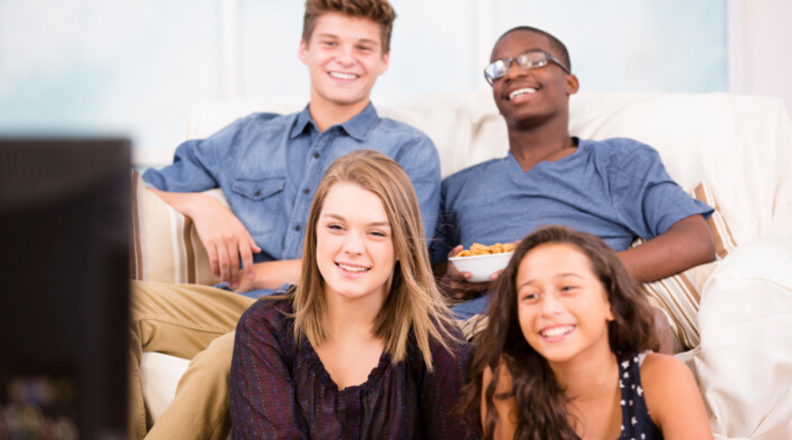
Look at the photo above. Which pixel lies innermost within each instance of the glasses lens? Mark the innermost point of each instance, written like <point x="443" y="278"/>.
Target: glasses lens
<point x="532" y="60"/>
<point x="495" y="70"/>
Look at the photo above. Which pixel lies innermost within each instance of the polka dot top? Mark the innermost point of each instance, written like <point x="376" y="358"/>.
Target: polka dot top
<point x="636" y="422"/>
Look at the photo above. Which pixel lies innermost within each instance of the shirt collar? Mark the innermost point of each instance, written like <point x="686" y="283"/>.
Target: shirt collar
<point x="303" y="120"/>
<point x="358" y="127"/>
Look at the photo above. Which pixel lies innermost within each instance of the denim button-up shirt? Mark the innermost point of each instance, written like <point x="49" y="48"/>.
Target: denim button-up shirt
<point x="270" y="165"/>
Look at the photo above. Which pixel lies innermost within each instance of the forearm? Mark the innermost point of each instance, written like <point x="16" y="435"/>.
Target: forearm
<point x="273" y="274"/>
<point x="187" y="204"/>
<point x="686" y="244"/>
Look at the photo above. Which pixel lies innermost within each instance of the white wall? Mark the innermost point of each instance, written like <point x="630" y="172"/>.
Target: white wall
<point x="104" y="67"/>
<point x="760" y="48"/>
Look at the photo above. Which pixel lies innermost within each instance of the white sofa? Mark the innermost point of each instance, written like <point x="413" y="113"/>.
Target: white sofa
<point x="740" y="146"/>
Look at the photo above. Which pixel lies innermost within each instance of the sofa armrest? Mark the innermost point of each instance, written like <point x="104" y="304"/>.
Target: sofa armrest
<point x="744" y="361"/>
<point x="165" y="245"/>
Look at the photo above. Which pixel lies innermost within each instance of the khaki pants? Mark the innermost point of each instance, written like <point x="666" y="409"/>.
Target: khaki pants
<point x="191" y="322"/>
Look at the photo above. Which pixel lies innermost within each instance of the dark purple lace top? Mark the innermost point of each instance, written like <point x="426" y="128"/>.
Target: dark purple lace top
<point x="282" y="391"/>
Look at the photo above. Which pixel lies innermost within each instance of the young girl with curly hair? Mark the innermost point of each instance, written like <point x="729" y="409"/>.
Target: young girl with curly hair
<point x="567" y="353"/>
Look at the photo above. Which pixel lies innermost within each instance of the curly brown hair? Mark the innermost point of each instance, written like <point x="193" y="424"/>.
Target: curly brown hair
<point x="541" y="403"/>
<point x="379" y="11"/>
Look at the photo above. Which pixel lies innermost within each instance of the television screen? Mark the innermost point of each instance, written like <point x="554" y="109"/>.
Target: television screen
<point x="64" y="278"/>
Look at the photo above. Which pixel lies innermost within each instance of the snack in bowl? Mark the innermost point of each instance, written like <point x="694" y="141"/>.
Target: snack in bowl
<point x="482" y="261"/>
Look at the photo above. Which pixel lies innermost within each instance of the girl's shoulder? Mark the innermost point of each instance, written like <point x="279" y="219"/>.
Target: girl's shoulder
<point x="505" y="381"/>
<point x="673" y="398"/>
<point x="665" y="378"/>
<point x="657" y="369"/>
<point x="267" y="315"/>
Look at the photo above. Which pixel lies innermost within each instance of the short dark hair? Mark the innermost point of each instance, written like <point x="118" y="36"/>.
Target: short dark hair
<point x="555" y="43"/>
<point x="379" y="11"/>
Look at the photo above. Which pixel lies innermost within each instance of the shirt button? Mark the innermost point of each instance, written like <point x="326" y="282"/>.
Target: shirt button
<point x="257" y="193"/>
<point x="316" y="155"/>
<point x="306" y="191"/>
<point x="297" y="228"/>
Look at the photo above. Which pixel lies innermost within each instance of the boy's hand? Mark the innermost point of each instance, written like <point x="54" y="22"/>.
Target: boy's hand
<point x="222" y="234"/>
<point x="454" y="281"/>
<point x="225" y="239"/>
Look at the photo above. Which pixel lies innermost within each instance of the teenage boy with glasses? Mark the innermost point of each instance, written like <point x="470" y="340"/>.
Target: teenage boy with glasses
<point x="268" y="166"/>
<point x="616" y="189"/>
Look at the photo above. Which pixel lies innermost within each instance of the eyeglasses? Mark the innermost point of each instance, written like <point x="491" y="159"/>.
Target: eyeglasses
<point x="528" y="60"/>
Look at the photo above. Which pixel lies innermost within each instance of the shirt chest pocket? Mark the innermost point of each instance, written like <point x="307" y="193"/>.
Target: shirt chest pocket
<point x="259" y="203"/>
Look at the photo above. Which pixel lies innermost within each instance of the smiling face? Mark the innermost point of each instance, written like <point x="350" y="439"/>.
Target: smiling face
<point x="526" y="95"/>
<point x="344" y="58"/>
<point x="562" y="306"/>
<point x="354" y="244"/>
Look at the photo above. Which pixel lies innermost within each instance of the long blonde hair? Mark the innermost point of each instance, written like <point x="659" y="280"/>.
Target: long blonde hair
<point x="413" y="304"/>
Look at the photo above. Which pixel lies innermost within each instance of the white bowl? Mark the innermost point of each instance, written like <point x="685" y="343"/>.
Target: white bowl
<point x="482" y="266"/>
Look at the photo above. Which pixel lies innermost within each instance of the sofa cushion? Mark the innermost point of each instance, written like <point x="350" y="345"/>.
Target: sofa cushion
<point x="679" y="296"/>
<point x="165" y="245"/>
<point x="744" y="361"/>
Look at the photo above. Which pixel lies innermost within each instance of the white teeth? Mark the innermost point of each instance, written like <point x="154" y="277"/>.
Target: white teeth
<point x="343" y="75"/>
<point x="519" y="92"/>
<point x="557" y="331"/>
<point x="352" y="268"/>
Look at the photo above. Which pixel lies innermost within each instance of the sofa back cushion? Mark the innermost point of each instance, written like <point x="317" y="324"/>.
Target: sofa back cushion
<point x="741" y="145"/>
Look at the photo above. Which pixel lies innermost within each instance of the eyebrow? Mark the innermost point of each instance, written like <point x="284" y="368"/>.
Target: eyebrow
<point x="366" y="40"/>
<point x="561" y="275"/>
<point x="535" y="49"/>
<point x="336" y="37"/>
<point x="341" y="218"/>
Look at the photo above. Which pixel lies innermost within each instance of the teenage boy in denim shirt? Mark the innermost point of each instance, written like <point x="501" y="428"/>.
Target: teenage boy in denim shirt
<point x="268" y="167"/>
<point x="616" y="189"/>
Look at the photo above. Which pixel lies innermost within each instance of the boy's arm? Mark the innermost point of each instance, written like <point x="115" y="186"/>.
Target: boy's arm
<point x="271" y="275"/>
<point x="196" y="167"/>
<point x="656" y="208"/>
<point x="687" y="243"/>
<point x="421" y="162"/>
<point x="225" y="237"/>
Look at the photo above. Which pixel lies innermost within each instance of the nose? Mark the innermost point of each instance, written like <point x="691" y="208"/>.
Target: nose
<point x="354" y="244"/>
<point x="551" y="305"/>
<point x="515" y="70"/>
<point x="344" y="55"/>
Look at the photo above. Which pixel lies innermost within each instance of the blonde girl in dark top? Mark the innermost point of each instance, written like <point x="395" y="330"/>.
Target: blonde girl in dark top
<point x="567" y="352"/>
<point x="363" y="347"/>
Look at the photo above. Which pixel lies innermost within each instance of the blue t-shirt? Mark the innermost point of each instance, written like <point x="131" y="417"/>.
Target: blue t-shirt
<point x="269" y="167"/>
<point x="616" y="189"/>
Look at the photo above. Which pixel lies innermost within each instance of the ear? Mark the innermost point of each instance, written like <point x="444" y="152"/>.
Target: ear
<point x="609" y="316"/>
<point x="384" y="65"/>
<point x="572" y="84"/>
<point x="303" y="51"/>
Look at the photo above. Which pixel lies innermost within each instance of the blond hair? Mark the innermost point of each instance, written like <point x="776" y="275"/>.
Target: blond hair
<point x="414" y="305"/>
<point x="378" y="11"/>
